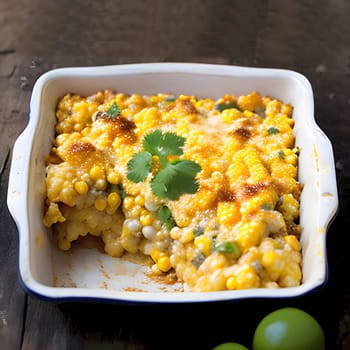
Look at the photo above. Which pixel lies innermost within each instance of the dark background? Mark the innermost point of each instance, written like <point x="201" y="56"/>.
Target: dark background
<point x="311" y="37"/>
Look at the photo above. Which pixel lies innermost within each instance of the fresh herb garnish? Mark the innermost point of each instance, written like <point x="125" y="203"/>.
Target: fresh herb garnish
<point x="198" y="260"/>
<point x="265" y="206"/>
<point x="113" y="111"/>
<point x="226" y="105"/>
<point x="228" y="248"/>
<point x="281" y="154"/>
<point x="122" y="193"/>
<point x="273" y="130"/>
<point x="165" y="216"/>
<point x="163" y="145"/>
<point x="139" y="166"/>
<point x="176" y="177"/>
<point x="170" y="99"/>
<point x="116" y="188"/>
<point x="198" y="231"/>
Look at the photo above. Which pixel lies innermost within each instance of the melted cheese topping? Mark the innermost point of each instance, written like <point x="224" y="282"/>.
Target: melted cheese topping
<point x="239" y="230"/>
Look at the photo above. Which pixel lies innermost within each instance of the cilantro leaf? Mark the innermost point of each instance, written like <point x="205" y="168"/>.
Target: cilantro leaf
<point x="113" y="111"/>
<point x="139" y="166"/>
<point x="281" y="155"/>
<point x="122" y="193"/>
<point x="164" y="214"/>
<point x="176" y="179"/>
<point x="272" y="130"/>
<point x="228" y="248"/>
<point x="170" y="98"/>
<point x="226" y="105"/>
<point x="163" y="145"/>
<point x="198" y="231"/>
<point x="198" y="260"/>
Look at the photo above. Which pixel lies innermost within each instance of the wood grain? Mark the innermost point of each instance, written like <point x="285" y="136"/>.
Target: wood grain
<point x="38" y="35"/>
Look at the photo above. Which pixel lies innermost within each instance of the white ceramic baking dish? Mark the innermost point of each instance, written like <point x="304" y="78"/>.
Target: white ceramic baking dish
<point x="87" y="274"/>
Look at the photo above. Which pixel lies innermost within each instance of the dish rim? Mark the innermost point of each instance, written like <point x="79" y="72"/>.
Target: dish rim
<point x="21" y="164"/>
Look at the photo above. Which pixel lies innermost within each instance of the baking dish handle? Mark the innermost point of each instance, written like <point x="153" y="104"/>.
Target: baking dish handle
<point x="327" y="179"/>
<point x="17" y="185"/>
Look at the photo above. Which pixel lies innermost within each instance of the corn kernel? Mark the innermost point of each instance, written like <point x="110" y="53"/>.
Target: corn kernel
<point x="187" y="235"/>
<point x="248" y="114"/>
<point x="155" y="254"/>
<point x="96" y="172"/>
<point x="163" y="263"/>
<point x="291" y="276"/>
<point x="293" y="242"/>
<point x="155" y="270"/>
<point x="273" y="263"/>
<point x="113" y="246"/>
<point x="175" y="233"/>
<point x="134" y="212"/>
<point x="257" y="169"/>
<point x="229" y="115"/>
<point x="206" y="103"/>
<point x="203" y="243"/>
<point x="130" y="243"/>
<point x="61" y="139"/>
<point x="128" y="202"/>
<point x="140" y="199"/>
<point x="250" y="102"/>
<point x="146" y="219"/>
<point x="231" y="283"/>
<point x="100" y="204"/>
<point x="290" y="156"/>
<point x="113" y="200"/>
<point x="81" y="187"/>
<point x="250" y="234"/>
<point x="67" y="196"/>
<point x="113" y="178"/>
<point x="247" y="278"/>
<point x="110" y="210"/>
<point x="228" y="213"/>
<point x="149" y="232"/>
<point x="100" y="184"/>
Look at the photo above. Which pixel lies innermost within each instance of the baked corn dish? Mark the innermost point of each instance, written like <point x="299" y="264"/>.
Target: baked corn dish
<point x="206" y="188"/>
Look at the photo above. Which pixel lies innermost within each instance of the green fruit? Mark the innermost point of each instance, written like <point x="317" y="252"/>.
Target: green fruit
<point x="288" y="329"/>
<point x="230" y="346"/>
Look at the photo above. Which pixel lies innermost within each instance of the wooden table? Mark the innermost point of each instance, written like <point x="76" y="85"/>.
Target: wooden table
<point x="308" y="36"/>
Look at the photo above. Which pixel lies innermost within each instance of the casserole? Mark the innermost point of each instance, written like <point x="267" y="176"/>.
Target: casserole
<point x="87" y="273"/>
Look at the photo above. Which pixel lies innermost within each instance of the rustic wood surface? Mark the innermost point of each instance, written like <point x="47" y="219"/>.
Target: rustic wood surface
<point x="312" y="37"/>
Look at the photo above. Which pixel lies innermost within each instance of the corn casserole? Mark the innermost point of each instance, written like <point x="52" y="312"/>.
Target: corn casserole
<point x="208" y="189"/>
